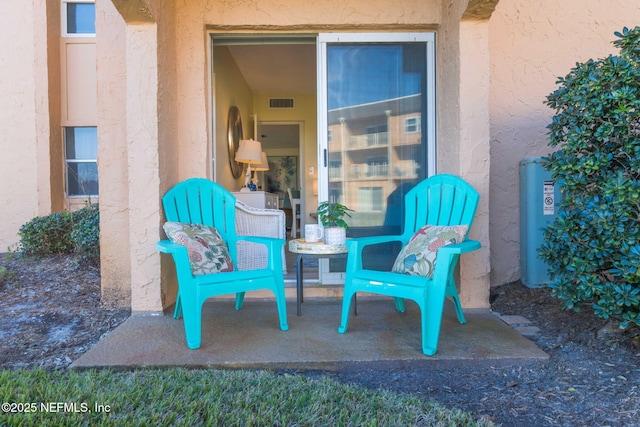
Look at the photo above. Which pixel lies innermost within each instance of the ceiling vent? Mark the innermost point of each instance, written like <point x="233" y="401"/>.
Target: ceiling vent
<point x="280" y="102"/>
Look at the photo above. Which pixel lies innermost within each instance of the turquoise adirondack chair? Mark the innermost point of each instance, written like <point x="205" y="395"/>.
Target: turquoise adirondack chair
<point x="438" y="200"/>
<point x="200" y="201"/>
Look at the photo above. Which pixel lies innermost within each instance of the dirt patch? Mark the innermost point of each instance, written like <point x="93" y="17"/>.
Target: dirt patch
<point x="592" y="377"/>
<point x="50" y="314"/>
<point x="50" y="311"/>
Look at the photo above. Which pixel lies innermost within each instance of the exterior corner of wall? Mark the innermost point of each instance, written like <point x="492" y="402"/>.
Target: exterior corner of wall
<point x="115" y="285"/>
<point x="146" y="287"/>
<point x="144" y="260"/>
<point x="116" y="297"/>
<point x="475" y="278"/>
<point x="168" y="282"/>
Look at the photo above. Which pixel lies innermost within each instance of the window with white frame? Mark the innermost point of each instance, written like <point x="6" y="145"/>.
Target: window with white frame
<point x="78" y="18"/>
<point x="81" y="152"/>
<point x="412" y="125"/>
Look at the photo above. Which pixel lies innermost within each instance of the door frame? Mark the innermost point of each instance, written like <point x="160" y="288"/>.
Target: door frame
<point x="326" y="276"/>
<point x="301" y="153"/>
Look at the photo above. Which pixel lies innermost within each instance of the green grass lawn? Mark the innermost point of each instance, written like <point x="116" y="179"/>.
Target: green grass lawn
<point x="187" y="397"/>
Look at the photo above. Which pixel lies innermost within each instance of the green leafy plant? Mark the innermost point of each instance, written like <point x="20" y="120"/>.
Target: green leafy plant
<point x="593" y="247"/>
<point x="64" y="233"/>
<point x="332" y="214"/>
<point x="49" y="234"/>
<point x="86" y="234"/>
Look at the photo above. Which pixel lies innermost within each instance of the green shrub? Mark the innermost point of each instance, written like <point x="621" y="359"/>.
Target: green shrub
<point x="49" y="234"/>
<point x="64" y="233"/>
<point x="593" y="246"/>
<point x="86" y="234"/>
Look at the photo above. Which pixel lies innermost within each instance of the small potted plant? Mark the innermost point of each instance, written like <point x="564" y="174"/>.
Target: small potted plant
<point x="331" y="216"/>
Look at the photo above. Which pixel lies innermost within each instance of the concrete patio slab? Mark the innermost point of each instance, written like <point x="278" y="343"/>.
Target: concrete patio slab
<point x="251" y="338"/>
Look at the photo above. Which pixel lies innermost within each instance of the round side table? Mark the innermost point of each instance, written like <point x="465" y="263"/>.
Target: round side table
<point x="312" y="250"/>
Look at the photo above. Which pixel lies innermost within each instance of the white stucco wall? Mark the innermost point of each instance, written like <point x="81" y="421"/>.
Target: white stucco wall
<point x="531" y="45"/>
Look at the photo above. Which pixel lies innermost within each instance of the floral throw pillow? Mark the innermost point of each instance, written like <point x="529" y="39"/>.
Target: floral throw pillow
<point x="418" y="257"/>
<point x="208" y="253"/>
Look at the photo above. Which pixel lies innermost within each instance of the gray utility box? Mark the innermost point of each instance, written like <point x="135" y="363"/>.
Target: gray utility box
<point x="539" y="201"/>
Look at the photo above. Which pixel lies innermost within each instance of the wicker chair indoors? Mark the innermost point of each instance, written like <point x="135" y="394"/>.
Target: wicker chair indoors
<point x="252" y="221"/>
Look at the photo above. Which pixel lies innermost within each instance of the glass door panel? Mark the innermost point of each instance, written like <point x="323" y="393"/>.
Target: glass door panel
<point x="376" y="132"/>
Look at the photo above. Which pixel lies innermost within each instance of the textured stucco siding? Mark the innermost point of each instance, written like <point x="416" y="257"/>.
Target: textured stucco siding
<point x="23" y="130"/>
<point x="155" y="115"/>
<point x="531" y="45"/>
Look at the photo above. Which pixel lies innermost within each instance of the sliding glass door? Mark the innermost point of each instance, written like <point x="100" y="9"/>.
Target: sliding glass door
<point x="376" y="130"/>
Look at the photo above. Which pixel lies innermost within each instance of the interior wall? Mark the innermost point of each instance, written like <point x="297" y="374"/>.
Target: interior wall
<point x="230" y="89"/>
<point x="531" y="45"/>
<point x="305" y="112"/>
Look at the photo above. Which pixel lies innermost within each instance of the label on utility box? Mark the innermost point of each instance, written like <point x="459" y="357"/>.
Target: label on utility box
<point x="548" y="198"/>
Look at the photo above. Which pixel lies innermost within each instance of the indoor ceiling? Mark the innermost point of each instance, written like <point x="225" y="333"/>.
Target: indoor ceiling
<point x="279" y="70"/>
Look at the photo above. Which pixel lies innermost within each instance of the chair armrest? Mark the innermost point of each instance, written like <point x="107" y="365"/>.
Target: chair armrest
<point x="356" y="245"/>
<point x="447" y="258"/>
<point x="180" y="256"/>
<point x="168" y="247"/>
<point x="460" y="248"/>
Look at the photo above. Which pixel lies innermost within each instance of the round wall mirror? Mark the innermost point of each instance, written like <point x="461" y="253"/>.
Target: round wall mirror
<point x="234" y="135"/>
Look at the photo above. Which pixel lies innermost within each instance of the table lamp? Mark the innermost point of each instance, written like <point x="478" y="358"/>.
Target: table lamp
<point x="249" y="153"/>
<point x="264" y="166"/>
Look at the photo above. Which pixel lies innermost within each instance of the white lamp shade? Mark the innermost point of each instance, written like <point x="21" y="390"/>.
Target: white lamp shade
<point x="250" y="152"/>
<point x="264" y="166"/>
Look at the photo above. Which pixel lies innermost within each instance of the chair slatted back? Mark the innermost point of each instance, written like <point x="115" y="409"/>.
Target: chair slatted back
<point x="200" y="201"/>
<point x="440" y="200"/>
